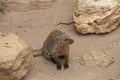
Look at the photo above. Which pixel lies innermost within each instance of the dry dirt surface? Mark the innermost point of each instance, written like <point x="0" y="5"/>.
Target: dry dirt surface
<point x="34" y="26"/>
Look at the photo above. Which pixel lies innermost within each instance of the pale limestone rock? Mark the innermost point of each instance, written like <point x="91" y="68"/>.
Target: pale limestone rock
<point x="15" y="57"/>
<point x="95" y="58"/>
<point x="26" y="5"/>
<point x="27" y="1"/>
<point x="97" y="16"/>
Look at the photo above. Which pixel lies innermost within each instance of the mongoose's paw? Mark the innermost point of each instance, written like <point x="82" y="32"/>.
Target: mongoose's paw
<point x="66" y="66"/>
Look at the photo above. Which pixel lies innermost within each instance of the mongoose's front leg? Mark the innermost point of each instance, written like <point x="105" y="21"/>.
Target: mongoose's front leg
<point x="57" y="61"/>
<point x="66" y="65"/>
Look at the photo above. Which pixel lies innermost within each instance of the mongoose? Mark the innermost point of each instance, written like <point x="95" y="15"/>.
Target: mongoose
<point x="56" y="46"/>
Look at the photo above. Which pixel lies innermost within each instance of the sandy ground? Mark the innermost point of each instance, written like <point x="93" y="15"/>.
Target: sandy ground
<point x="34" y="26"/>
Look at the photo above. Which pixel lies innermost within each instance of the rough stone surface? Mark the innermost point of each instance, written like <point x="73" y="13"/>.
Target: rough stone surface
<point x="97" y="16"/>
<point x="25" y="5"/>
<point x="15" y="57"/>
<point x="95" y="58"/>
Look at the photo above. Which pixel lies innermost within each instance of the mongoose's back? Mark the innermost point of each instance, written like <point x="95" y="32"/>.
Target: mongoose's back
<point x="50" y="43"/>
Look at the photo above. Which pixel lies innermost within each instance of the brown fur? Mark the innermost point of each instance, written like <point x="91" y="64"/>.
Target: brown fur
<point x="55" y="46"/>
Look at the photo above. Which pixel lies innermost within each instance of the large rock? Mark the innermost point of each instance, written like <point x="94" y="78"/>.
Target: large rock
<point x="97" y="16"/>
<point x="15" y="57"/>
<point x="25" y="5"/>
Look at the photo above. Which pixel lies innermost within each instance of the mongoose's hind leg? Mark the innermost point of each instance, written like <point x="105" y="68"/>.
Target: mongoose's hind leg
<point x="53" y="60"/>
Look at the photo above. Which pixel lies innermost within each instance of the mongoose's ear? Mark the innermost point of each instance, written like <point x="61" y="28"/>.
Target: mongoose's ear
<point x="69" y="41"/>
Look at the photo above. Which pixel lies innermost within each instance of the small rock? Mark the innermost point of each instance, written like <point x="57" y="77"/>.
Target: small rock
<point x="101" y="59"/>
<point x="95" y="58"/>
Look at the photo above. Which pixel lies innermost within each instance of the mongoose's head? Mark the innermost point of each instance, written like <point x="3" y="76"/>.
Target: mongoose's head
<point x="64" y="40"/>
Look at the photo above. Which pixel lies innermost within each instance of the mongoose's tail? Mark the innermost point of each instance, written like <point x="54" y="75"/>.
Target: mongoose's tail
<point x="37" y="53"/>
